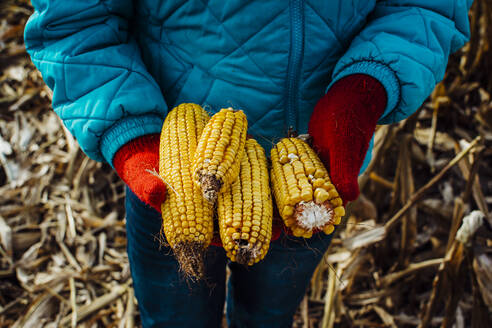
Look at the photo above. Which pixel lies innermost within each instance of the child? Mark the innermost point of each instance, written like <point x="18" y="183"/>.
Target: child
<point x="331" y="68"/>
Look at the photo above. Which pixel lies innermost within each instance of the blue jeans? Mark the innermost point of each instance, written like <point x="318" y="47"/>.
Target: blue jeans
<point x="264" y="295"/>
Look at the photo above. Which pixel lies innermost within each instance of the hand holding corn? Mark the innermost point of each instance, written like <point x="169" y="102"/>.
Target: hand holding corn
<point x="206" y="160"/>
<point x="342" y="125"/>
<point x="134" y="163"/>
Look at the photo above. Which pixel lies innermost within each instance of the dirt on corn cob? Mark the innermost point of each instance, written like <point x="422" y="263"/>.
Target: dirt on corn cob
<point x="306" y="198"/>
<point x="187" y="217"/>
<point x="245" y="209"/>
<point x="219" y="151"/>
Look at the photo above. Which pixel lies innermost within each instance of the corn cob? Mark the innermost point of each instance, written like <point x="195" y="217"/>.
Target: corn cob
<point x="245" y="209"/>
<point x="219" y="151"/>
<point x="187" y="218"/>
<point x="306" y="198"/>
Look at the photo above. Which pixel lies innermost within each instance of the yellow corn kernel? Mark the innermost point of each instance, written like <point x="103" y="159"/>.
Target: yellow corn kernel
<point x="339" y="211"/>
<point x="333" y="194"/>
<point x="336" y="202"/>
<point x="328" y="186"/>
<point x="287" y="211"/>
<point x="320" y="195"/>
<point x="298" y="168"/>
<point x="282" y="153"/>
<point x="337" y="220"/>
<point x="290" y="146"/>
<point x="329" y="229"/>
<point x="319" y="182"/>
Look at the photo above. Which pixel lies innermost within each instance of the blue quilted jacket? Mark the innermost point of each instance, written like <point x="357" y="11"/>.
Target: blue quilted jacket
<point x="117" y="66"/>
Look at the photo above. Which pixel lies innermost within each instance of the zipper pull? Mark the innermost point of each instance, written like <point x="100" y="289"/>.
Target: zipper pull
<point x="291" y="133"/>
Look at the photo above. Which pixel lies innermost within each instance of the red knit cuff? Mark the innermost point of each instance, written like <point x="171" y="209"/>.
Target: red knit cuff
<point x="360" y="89"/>
<point x="132" y="162"/>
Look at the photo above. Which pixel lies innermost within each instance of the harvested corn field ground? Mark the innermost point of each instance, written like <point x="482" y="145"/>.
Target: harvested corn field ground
<point x="395" y="261"/>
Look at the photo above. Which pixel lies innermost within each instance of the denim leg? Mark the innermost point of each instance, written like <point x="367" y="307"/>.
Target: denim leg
<point x="165" y="299"/>
<point x="268" y="293"/>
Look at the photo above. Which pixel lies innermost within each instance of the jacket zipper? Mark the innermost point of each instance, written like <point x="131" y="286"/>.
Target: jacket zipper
<point x="295" y="63"/>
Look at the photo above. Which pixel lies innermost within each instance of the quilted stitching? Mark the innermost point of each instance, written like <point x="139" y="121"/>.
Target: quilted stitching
<point x="240" y="44"/>
<point x="244" y="53"/>
<point x="327" y="25"/>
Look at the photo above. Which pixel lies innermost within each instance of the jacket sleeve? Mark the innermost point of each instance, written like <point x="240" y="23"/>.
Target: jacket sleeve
<point x="101" y="88"/>
<point x="405" y="45"/>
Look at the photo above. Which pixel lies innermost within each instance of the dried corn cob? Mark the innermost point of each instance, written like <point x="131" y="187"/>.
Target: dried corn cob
<point x="306" y="198"/>
<point x="245" y="209"/>
<point x="219" y="151"/>
<point x="187" y="217"/>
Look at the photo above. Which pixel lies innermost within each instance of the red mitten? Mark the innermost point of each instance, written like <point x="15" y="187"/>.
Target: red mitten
<point x="131" y="162"/>
<point x="342" y="124"/>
